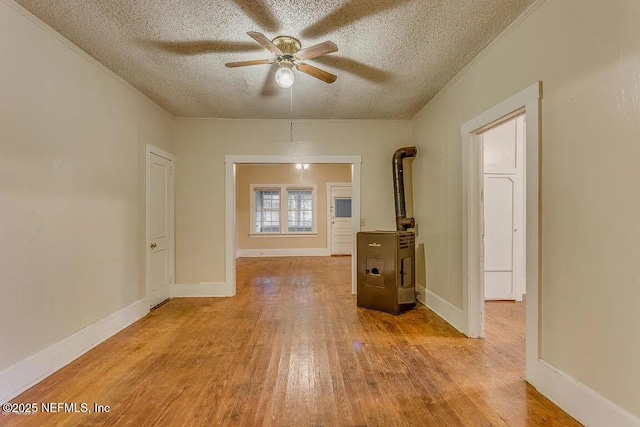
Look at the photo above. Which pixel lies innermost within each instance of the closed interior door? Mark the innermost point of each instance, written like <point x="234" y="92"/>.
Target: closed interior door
<point x="341" y="225"/>
<point x="503" y="198"/>
<point x="160" y="228"/>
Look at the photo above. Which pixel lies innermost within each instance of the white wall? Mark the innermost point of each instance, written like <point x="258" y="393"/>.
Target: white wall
<point x="201" y="145"/>
<point x="587" y="54"/>
<point x="72" y="195"/>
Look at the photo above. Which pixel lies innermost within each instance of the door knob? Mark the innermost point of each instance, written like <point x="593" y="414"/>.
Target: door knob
<point x="153" y="245"/>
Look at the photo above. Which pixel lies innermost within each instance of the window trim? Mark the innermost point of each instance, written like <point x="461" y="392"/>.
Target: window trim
<point x="284" y="203"/>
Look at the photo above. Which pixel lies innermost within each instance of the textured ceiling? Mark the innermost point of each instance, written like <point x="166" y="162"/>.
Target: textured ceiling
<point x="394" y="55"/>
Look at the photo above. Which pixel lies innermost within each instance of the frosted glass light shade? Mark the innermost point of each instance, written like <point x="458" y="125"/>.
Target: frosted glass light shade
<point x="284" y="77"/>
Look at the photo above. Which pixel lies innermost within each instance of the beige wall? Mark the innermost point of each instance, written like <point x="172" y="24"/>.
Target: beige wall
<point x="587" y="54"/>
<point x="201" y="145"/>
<point x="318" y="174"/>
<point x="72" y="188"/>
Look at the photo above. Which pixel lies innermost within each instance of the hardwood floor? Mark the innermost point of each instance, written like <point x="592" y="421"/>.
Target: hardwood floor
<point x="292" y="349"/>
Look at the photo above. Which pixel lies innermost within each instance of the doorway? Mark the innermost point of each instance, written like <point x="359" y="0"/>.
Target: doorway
<point x="160" y="253"/>
<point x="503" y="209"/>
<point x="285" y="210"/>
<point x="340" y="231"/>
<point x="527" y="103"/>
<point x="231" y="240"/>
<point x="502" y="199"/>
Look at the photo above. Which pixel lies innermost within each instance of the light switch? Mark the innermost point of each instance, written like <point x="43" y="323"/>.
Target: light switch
<point x="362" y="222"/>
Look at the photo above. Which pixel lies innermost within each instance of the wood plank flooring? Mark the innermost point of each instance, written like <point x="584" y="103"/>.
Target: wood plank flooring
<point x="292" y="349"/>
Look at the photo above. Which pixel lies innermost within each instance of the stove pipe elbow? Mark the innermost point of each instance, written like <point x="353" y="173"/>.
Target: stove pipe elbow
<point x="402" y="222"/>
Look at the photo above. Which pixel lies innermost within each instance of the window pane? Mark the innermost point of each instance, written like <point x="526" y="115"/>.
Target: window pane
<point x="300" y="210"/>
<point x="267" y="211"/>
<point x="343" y="208"/>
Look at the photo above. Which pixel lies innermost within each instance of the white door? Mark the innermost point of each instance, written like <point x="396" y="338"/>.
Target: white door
<point x="341" y="231"/>
<point x="159" y="226"/>
<point x="503" y="198"/>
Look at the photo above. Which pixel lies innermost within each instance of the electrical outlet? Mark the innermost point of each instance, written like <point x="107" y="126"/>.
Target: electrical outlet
<point x="362" y="222"/>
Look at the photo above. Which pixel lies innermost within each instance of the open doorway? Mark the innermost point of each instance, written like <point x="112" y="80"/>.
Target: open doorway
<point x="503" y="200"/>
<point x="503" y="208"/>
<point x="290" y="209"/>
<point x="526" y="104"/>
<point x="299" y="186"/>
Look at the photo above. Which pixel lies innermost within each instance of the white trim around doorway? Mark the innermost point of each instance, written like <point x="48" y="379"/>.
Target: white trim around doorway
<point x="581" y="402"/>
<point x="527" y="101"/>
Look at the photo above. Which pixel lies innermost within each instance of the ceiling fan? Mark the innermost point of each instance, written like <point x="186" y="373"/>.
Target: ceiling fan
<point x="288" y="55"/>
<point x="288" y="51"/>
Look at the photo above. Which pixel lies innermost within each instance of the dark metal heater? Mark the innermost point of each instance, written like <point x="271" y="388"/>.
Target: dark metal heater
<point x="386" y="259"/>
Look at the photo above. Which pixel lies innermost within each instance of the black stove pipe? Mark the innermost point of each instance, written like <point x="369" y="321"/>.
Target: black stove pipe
<point x="402" y="222"/>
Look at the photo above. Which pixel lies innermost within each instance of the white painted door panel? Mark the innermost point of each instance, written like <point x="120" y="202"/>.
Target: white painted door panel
<point x="160" y="217"/>
<point x="341" y="226"/>
<point x="498" y="237"/>
<point x="500" y="149"/>
<point x="503" y="200"/>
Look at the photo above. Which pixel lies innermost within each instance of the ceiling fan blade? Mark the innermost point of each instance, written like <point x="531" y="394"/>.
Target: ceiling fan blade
<point x="317" y="50"/>
<point x="356" y="68"/>
<point x="265" y="42"/>
<point x="204" y="46"/>
<point x="348" y="13"/>
<point x="316" y="72"/>
<point x="259" y="12"/>
<point x="247" y="63"/>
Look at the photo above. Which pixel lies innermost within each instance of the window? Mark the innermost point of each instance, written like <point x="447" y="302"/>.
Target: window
<point x="283" y="209"/>
<point x="300" y="211"/>
<point x="343" y="208"/>
<point x="267" y="211"/>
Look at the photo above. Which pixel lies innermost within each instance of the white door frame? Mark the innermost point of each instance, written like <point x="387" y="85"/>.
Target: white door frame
<point x="329" y="220"/>
<point x="528" y="101"/>
<point x="172" y="252"/>
<point x="230" y="204"/>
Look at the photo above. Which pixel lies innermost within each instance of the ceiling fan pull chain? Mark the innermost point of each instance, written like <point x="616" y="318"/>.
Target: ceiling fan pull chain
<point x="291" y="114"/>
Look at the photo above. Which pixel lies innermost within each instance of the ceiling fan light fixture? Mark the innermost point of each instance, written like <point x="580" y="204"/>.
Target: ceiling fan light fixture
<point x="288" y="55"/>
<point x="284" y="75"/>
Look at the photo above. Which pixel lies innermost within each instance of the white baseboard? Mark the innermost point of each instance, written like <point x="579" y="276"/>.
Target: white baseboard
<point x="202" y="290"/>
<point x="578" y="400"/>
<point x="28" y="372"/>
<point x="450" y="313"/>
<point x="254" y="253"/>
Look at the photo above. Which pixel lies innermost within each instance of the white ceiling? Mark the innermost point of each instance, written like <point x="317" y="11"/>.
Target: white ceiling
<point x="394" y="55"/>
